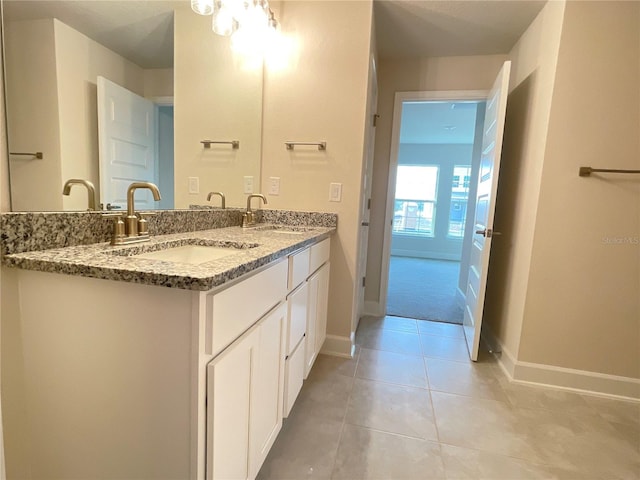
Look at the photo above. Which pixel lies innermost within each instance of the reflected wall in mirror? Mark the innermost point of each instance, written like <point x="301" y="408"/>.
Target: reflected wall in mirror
<point x="160" y="51"/>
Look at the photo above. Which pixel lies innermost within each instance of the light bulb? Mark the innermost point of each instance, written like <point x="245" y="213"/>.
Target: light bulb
<point x="224" y="22"/>
<point x="202" y="7"/>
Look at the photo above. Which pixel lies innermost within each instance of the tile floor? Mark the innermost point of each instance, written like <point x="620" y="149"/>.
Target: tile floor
<point x="411" y="405"/>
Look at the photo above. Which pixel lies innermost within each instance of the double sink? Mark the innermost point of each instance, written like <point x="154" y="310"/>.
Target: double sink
<point x="198" y="251"/>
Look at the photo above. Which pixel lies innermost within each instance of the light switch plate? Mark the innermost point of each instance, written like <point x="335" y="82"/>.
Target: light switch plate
<point x="335" y="192"/>
<point x="274" y="185"/>
<point x="194" y="185"/>
<point x="248" y="184"/>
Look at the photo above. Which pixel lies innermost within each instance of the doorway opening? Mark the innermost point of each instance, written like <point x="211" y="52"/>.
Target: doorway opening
<point x="438" y="149"/>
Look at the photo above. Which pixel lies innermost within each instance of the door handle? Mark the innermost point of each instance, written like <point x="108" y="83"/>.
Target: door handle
<point x="487" y="232"/>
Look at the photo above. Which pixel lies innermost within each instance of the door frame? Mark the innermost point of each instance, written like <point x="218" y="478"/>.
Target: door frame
<point x="400" y="97"/>
<point x="366" y="178"/>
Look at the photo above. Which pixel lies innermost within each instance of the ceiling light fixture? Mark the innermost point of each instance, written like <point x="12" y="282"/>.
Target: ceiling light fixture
<point x="249" y="19"/>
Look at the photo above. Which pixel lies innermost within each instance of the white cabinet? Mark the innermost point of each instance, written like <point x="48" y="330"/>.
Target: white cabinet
<point x="297" y="302"/>
<point x="244" y="406"/>
<point x="229" y="387"/>
<point x="317" y="304"/>
<point x="201" y="380"/>
<point x="307" y="315"/>
<point x="267" y="387"/>
<point x="316" y="315"/>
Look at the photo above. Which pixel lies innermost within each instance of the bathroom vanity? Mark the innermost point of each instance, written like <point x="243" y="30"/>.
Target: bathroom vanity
<point x="133" y="364"/>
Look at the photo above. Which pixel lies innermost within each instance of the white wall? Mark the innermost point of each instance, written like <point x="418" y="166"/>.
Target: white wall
<point x="216" y="98"/>
<point x="321" y="96"/>
<point x="533" y="71"/>
<point x="33" y="114"/>
<point x="583" y="300"/>
<point x="563" y="298"/>
<point x="158" y="82"/>
<point x="446" y="73"/>
<point x="79" y="62"/>
<point x="51" y="83"/>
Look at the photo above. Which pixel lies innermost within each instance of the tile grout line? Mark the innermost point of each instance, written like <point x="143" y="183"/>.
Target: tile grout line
<point x="344" y="417"/>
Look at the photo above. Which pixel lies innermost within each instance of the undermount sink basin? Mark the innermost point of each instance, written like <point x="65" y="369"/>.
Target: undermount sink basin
<point x="193" y="253"/>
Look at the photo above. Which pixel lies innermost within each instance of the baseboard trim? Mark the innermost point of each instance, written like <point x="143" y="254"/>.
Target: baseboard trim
<point x="338" y="346"/>
<point x="373" y="309"/>
<point x="455" y="257"/>
<point x="562" y="378"/>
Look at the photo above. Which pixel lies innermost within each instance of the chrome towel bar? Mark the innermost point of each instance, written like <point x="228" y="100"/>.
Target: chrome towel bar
<point x="587" y="171"/>
<point x="37" y="155"/>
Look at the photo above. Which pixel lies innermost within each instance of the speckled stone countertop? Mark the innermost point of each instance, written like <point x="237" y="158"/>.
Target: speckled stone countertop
<point x="256" y="247"/>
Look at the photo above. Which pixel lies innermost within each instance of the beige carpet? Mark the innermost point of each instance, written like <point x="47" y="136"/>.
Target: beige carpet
<point x="423" y="289"/>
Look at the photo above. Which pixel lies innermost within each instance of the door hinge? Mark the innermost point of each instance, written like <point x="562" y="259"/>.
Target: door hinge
<point x="364" y="281"/>
<point x="369" y="204"/>
<point x="375" y="119"/>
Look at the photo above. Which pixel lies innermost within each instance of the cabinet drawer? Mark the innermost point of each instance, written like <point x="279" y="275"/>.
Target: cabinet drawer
<point x="294" y="374"/>
<point x="297" y="324"/>
<point x="232" y="311"/>
<point x="319" y="254"/>
<point x="298" y="268"/>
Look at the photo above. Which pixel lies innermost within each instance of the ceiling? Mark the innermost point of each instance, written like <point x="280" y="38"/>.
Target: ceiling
<point x="438" y="122"/>
<point x="436" y="28"/>
<point x="142" y="31"/>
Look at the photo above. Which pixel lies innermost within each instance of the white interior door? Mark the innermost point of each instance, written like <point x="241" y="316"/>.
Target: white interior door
<point x="485" y="208"/>
<point x="126" y="135"/>
<point x="367" y="176"/>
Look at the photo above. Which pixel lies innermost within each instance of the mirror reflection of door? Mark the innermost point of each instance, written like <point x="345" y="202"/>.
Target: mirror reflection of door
<point x="130" y="145"/>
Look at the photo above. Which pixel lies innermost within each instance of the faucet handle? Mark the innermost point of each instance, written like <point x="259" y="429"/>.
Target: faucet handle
<point x="118" y="227"/>
<point x="143" y="224"/>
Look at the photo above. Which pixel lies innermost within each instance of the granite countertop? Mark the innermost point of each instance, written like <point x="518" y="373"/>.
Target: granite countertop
<point x="256" y="247"/>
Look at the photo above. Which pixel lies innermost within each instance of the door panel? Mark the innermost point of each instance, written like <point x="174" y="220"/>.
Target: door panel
<point x="485" y="200"/>
<point x="367" y="178"/>
<point x="127" y="144"/>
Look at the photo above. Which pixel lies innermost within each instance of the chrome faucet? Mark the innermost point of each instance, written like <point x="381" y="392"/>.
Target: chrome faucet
<point x="135" y="227"/>
<point x="91" y="190"/>
<point x="211" y="194"/>
<point x="248" y="217"/>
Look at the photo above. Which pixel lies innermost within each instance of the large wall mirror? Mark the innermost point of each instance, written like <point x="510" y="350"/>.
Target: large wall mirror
<point x="116" y="91"/>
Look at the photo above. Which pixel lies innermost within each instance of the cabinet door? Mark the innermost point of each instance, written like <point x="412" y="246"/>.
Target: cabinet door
<point x="228" y="408"/>
<point x="267" y="386"/>
<point x="310" y="351"/>
<point x="322" y="307"/>
<point x="294" y="372"/>
<point x="297" y="324"/>
<point x="316" y="316"/>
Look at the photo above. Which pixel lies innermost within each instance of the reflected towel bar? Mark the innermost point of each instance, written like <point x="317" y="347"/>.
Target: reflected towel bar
<point x="586" y="171"/>
<point x="37" y="155"/>
<point x="321" y="145"/>
<point x="235" y="144"/>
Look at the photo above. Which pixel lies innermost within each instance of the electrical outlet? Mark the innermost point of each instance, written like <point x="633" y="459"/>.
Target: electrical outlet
<point x="194" y="185"/>
<point x="248" y="184"/>
<point x="274" y="185"/>
<point x="335" y="192"/>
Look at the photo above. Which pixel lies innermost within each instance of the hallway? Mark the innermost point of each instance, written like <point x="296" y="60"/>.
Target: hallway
<point x="411" y="405"/>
